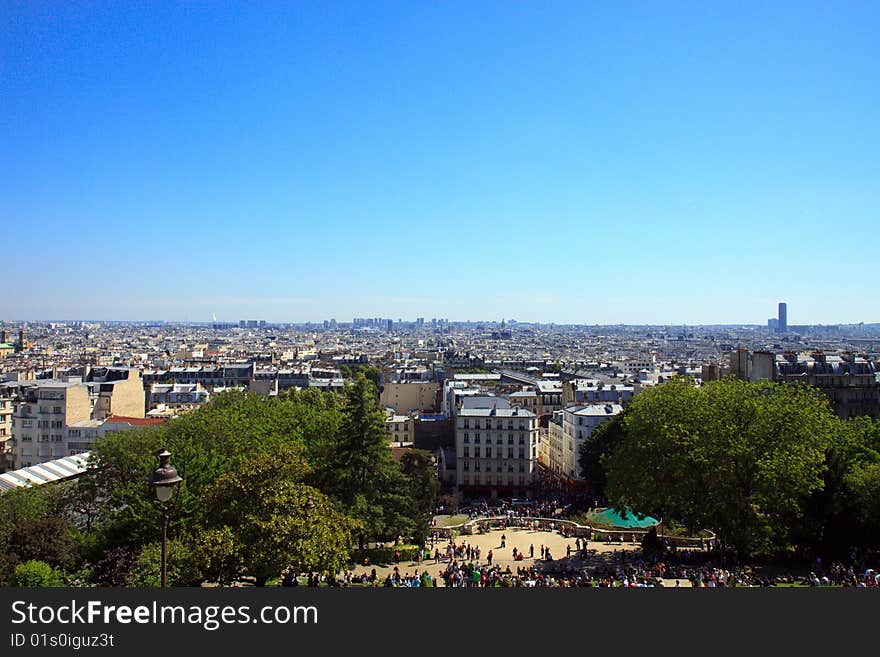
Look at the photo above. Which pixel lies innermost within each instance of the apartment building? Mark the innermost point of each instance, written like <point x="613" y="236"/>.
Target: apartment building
<point x="851" y="382"/>
<point x="593" y="391"/>
<point x="496" y="448"/>
<point x="567" y="432"/>
<point x="41" y="416"/>
<point x="401" y="429"/>
<point x="6" y="456"/>
<point x="411" y="396"/>
<point x="177" y="395"/>
<point x="117" y="391"/>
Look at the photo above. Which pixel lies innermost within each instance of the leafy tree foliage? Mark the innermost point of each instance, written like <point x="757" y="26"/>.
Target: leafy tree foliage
<point x="30" y="529"/>
<point x="275" y="452"/>
<point x="740" y="458"/>
<point x="602" y="441"/>
<point x="182" y="569"/>
<point x="35" y="574"/>
<point x="356" y="468"/>
<point x="419" y="467"/>
<point x="265" y="519"/>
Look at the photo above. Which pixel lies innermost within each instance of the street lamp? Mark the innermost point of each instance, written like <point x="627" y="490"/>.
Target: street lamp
<point x="164" y="480"/>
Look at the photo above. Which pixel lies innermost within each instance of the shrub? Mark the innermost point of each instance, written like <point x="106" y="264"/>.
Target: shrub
<point x="35" y="574"/>
<point x="182" y="568"/>
<point x="384" y="554"/>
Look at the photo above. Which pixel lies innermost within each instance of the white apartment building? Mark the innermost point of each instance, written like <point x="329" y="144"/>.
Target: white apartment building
<point x="496" y="448"/>
<point x="401" y="429"/>
<point x="567" y="436"/>
<point x="6" y="455"/>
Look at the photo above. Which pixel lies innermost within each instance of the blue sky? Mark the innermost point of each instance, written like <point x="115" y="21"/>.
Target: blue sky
<point x="569" y="162"/>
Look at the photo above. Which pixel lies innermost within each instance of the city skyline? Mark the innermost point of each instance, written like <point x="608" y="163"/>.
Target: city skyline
<point x="683" y="164"/>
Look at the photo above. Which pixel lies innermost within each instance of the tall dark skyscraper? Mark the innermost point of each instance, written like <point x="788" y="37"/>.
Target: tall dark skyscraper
<point x="783" y="317"/>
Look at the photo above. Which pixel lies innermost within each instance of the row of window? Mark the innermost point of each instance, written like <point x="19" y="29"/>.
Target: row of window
<point x="466" y="452"/>
<point x="499" y="439"/>
<point x="45" y="410"/>
<point x="45" y="424"/>
<point x="487" y="467"/>
<point x="488" y="480"/>
<point x="499" y="424"/>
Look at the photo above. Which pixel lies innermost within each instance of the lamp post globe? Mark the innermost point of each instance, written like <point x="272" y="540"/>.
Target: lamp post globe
<point x="165" y="478"/>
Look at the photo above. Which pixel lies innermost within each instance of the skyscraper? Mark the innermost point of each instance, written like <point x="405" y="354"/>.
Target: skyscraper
<point x="783" y="317"/>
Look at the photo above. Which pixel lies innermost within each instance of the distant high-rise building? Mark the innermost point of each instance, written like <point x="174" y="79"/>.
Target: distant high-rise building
<point x="783" y="317"/>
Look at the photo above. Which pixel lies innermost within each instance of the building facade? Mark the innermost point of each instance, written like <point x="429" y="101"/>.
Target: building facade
<point x="496" y="450"/>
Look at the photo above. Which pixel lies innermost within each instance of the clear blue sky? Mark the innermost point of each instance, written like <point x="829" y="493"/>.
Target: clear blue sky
<point x="614" y="162"/>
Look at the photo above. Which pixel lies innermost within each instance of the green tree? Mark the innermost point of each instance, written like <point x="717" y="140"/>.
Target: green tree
<point x="739" y="458"/>
<point x="601" y="442"/>
<point x="35" y="574"/>
<point x="32" y="529"/>
<point x="419" y="467"/>
<point x="357" y="468"/>
<point x="204" y="444"/>
<point x="182" y="568"/>
<point x="262" y="518"/>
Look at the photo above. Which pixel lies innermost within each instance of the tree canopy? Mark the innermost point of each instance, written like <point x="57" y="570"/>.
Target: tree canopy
<point x="740" y="458"/>
<point x="249" y="463"/>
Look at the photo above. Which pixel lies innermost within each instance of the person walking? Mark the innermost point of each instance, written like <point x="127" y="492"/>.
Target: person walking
<point x="503" y="540"/>
<point x="531" y="551"/>
<point x="489" y="557"/>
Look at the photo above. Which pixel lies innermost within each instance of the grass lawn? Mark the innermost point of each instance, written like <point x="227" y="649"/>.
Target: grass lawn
<point x="450" y="521"/>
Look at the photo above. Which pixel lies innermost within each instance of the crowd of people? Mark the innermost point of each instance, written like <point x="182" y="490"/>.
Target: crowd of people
<point x="462" y="564"/>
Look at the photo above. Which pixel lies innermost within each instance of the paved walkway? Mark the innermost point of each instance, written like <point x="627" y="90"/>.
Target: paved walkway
<point x="521" y="539"/>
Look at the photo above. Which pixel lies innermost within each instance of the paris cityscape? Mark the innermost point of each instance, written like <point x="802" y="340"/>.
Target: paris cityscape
<point x="461" y="295"/>
<point x="550" y="386"/>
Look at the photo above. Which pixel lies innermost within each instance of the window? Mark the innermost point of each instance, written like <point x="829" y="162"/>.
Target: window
<point x="56" y="409"/>
<point x="467" y="437"/>
<point x="477" y="452"/>
<point x="522" y="468"/>
<point x="488" y="452"/>
<point x="477" y="438"/>
<point x="510" y="439"/>
<point x="510" y="467"/>
<point x="467" y="452"/>
<point x="466" y="423"/>
<point x="522" y="440"/>
<point x="522" y="453"/>
<point x="510" y="452"/>
<point x="498" y="439"/>
<point x="26" y="439"/>
<point x="466" y="465"/>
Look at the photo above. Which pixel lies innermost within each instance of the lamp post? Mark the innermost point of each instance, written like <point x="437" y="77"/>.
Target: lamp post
<point x="165" y="481"/>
